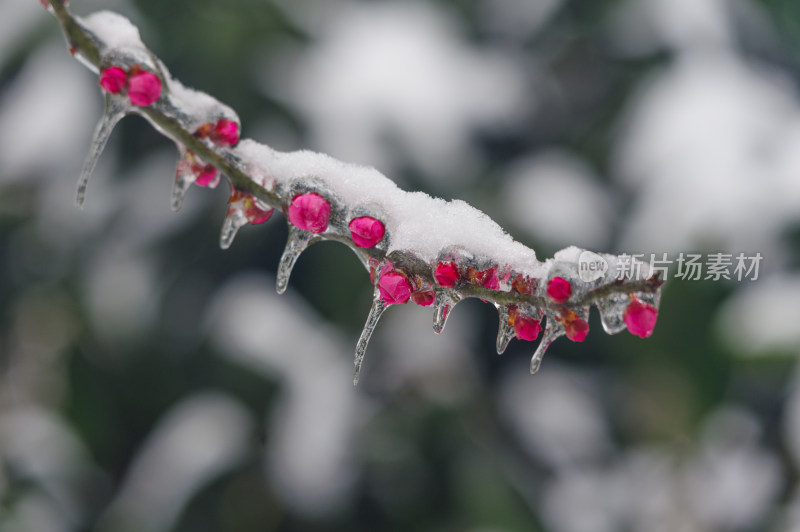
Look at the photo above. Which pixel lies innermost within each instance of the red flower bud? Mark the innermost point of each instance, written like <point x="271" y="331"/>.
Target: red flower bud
<point x="113" y="79"/>
<point x="446" y="274"/>
<point x="559" y="289"/>
<point x="640" y="318"/>
<point x="394" y="288"/>
<point x="366" y="231"/>
<point x="144" y="89"/>
<point x="310" y="212"/>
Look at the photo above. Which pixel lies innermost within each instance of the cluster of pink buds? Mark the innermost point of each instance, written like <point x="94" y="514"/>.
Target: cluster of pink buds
<point x="486" y="277"/>
<point x="246" y="203"/>
<point x="397" y="287"/>
<point x="143" y="87"/>
<point x="224" y="133"/>
<point x="522" y="284"/>
<point x="311" y="212"/>
<point x="559" y="291"/>
<point x="205" y="175"/>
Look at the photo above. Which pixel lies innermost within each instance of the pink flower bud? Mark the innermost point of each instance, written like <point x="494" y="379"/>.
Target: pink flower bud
<point x="394" y="288"/>
<point x="253" y="211"/>
<point x="366" y="231"/>
<point x="640" y="318"/>
<point x="446" y="274"/>
<point x="310" y="212"/>
<point x="558" y="289"/>
<point x="423" y="298"/>
<point x="487" y="278"/>
<point x="526" y="327"/>
<point x="112" y="80"/>
<point x="207" y="176"/>
<point x="523" y="284"/>
<point x="144" y="88"/>
<point x="576" y="328"/>
<point x="226" y="132"/>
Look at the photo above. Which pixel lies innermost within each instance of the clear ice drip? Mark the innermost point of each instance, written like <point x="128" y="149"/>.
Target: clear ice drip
<point x="297" y="242"/>
<point x="442" y="305"/>
<point x="375" y="313"/>
<point x="184" y="177"/>
<point x="116" y="108"/>
<point x="552" y="330"/>
<point x="505" y="331"/>
<point x="235" y="220"/>
<point x="612" y="311"/>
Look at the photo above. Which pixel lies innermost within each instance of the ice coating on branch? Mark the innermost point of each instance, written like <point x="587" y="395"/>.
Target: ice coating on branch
<point x="612" y="309"/>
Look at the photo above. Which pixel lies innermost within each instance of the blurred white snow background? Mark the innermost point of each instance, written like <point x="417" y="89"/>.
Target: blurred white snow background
<point x="150" y="382"/>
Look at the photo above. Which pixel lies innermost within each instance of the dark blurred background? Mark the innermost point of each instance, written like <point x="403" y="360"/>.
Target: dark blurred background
<point x="151" y="382"/>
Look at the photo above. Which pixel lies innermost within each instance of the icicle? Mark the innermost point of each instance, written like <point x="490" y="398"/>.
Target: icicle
<point x="184" y="177"/>
<point x="234" y="220"/>
<point x="612" y="309"/>
<point x="116" y="108"/>
<point x="375" y="313"/>
<point x="552" y="330"/>
<point x="298" y="241"/>
<point x="442" y="305"/>
<point x="505" y="331"/>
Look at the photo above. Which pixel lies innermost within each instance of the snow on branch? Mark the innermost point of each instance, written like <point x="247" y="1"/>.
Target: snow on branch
<point x="417" y="248"/>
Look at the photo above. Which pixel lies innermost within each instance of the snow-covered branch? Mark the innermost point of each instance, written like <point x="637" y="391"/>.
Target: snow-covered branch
<point x="417" y="248"/>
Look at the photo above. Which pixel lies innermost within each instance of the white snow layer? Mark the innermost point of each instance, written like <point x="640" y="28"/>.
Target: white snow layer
<point x="415" y="221"/>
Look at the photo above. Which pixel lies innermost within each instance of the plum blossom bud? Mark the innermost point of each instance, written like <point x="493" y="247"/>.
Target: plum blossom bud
<point x="640" y="318"/>
<point x="310" y="212"/>
<point x="366" y="231"/>
<point x="559" y="289"/>
<point x="527" y="327"/>
<point x="144" y="89"/>
<point x="446" y="274"/>
<point x="113" y="80"/>
<point x="394" y="288"/>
